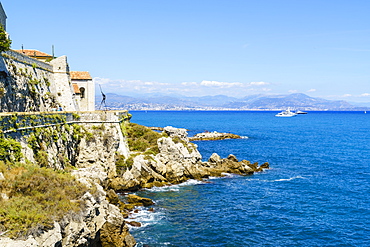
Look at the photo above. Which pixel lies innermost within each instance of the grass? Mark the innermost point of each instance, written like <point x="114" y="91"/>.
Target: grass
<point x="37" y="198"/>
<point x="33" y="196"/>
<point x="142" y="139"/>
<point x="122" y="164"/>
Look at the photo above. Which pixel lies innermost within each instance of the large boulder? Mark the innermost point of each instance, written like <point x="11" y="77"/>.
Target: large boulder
<point x="232" y="158"/>
<point x="176" y="132"/>
<point x="134" y="199"/>
<point x="114" y="232"/>
<point x="214" y="158"/>
<point x="113" y="197"/>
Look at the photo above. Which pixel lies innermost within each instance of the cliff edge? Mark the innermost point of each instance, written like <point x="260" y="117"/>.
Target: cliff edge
<point x="104" y="153"/>
<point x="176" y="161"/>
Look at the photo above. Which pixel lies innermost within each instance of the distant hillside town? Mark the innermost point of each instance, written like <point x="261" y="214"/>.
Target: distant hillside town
<point x="31" y="80"/>
<point x="259" y="102"/>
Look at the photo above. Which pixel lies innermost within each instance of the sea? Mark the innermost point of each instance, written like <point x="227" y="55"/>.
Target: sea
<point x="317" y="192"/>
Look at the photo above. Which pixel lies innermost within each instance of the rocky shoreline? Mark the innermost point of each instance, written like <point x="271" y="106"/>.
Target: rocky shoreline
<point x="178" y="160"/>
<point x="207" y="135"/>
<point x="212" y="136"/>
<point x="105" y="217"/>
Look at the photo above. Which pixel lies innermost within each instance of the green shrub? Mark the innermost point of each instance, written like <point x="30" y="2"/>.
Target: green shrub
<point x="2" y="92"/>
<point x="89" y="137"/>
<point x="76" y="116"/>
<point x="41" y="157"/>
<point x="129" y="162"/>
<point x="4" y="41"/>
<point x="47" y="82"/>
<point x="99" y="127"/>
<point x="37" y="198"/>
<point x="10" y="150"/>
<point x="141" y="138"/>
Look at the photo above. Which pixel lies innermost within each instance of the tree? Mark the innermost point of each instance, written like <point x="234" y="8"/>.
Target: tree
<point x="4" y="41"/>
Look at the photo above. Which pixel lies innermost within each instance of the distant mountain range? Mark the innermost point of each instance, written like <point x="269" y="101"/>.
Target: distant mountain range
<point x="295" y="101"/>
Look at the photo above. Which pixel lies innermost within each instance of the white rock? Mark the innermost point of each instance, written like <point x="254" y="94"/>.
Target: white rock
<point x="51" y="237"/>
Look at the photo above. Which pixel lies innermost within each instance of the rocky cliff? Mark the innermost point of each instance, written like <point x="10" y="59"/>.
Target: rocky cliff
<point x="94" y="147"/>
<point x="177" y="161"/>
<point x="26" y="85"/>
<point x="86" y="145"/>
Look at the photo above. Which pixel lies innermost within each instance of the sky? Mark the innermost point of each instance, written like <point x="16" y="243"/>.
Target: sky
<point x="205" y="47"/>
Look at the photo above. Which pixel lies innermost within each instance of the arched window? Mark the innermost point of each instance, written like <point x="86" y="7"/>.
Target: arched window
<point x="82" y="90"/>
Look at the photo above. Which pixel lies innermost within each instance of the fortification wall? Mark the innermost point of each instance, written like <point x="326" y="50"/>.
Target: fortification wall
<point x="26" y="84"/>
<point x="63" y="84"/>
<point x="80" y="139"/>
<point x="19" y="57"/>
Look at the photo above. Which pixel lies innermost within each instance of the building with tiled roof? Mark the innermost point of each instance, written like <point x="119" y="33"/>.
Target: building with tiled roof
<point x="80" y="75"/>
<point x="76" y="89"/>
<point x="39" y="55"/>
<point x="84" y="90"/>
<point x="62" y="89"/>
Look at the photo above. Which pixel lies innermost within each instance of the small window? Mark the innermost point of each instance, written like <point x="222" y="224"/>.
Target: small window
<point x="82" y="90"/>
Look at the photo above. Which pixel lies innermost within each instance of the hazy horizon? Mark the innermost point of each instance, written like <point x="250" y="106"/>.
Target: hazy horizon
<point x="236" y="48"/>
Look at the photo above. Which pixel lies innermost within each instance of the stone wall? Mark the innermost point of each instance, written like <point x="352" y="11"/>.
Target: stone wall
<point x="21" y="121"/>
<point x="19" y="57"/>
<point x="2" y="17"/>
<point x="79" y="138"/>
<point x="25" y="86"/>
<point x="63" y="84"/>
<point x="87" y="102"/>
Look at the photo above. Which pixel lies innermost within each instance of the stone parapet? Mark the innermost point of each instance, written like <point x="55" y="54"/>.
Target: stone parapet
<point x="15" y="122"/>
<point x="27" y="60"/>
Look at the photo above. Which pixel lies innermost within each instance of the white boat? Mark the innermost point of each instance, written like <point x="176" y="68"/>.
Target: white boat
<point x="286" y="113"/>
<point x="300" y="112"/>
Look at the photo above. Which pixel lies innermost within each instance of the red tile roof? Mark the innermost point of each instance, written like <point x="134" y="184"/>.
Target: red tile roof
<point x="80" y="75"/>
<point x="34" y="53"/>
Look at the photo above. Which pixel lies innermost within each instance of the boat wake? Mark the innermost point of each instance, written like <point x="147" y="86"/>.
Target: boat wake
<point x="280" y="180"/>
<point x="288" y="179"/>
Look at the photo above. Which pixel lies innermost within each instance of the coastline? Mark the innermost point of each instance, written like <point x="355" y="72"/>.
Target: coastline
<point x="110" y="158"/>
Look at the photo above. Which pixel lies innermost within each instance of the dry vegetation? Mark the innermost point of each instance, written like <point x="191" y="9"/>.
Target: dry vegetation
<point x="31" y="197"/>
<point x="141" y="140"/>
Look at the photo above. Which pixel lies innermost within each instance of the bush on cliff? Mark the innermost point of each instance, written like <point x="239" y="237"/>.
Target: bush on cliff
<point x="10" y="150"/>
<point x="142" y="139"/>
<point x="36" y="198"/>
<point x="4" y="41"/>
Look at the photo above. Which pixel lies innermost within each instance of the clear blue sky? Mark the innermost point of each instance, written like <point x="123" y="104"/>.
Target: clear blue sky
<point x="206" y="47"/>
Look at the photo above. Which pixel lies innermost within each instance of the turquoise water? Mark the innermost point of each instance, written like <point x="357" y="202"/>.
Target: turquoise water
<point x="316" y="194"/>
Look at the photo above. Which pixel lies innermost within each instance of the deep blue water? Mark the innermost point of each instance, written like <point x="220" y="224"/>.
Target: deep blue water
<point x="315" y="194"/>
